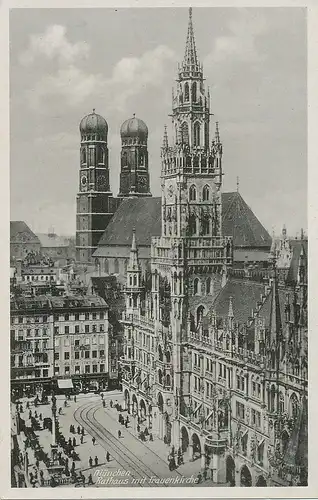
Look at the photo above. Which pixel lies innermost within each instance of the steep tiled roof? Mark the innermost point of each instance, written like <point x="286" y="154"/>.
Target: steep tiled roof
<point x="239" y="221"/>
<point x="19" y="227"/>
<point x="245" y="295"/>
<point x="144" y="214"/>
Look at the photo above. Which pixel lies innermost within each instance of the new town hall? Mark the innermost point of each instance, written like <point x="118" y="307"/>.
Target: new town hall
<point x="215" y="324"/>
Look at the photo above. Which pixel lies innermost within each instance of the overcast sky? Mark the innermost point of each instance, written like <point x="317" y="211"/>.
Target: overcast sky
<point x="65" y="62"/>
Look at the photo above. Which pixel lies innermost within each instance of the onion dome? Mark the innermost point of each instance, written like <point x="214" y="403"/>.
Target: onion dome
<point x="93" y="124"/>
<point x="134" y="128"/>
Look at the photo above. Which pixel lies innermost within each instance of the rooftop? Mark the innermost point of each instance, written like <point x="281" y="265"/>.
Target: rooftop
<point x="145" y="215"/>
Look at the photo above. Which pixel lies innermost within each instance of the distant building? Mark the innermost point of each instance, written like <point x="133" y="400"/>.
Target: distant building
<point x="22" y="240"/>
<point x="31" y="338"/>
<point x="81" y="341"/>
<point x="56" y="247"/>
<point x="57" y="338"/>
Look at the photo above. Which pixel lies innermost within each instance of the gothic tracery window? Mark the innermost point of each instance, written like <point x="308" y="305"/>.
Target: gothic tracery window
<point x="196" y="130"/>
<point x="206" y="193"/>
<point x="116" y="266"/>
<point x="192" y="193"/>
<point x="185" y="133"/>
<point x="194" y="92"/>
<point x="186" y="92"/>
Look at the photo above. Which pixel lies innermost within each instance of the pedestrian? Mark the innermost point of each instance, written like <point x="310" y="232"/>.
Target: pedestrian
<point x="83" y="432"/>
<point x="60" y="410"/>
<point x="36" y="414"/>
<point x="21" y="408"/>
<point x="65" y="404"/>
<point x="150" y="437"/>
<point x="119" y="433"/>
<point x="90" y="461"/>
<point x="90" y="479"/>
<point x="102" y="395"/>
<point x="108" y="456"/>
<point x="199" y="478"/>
<point x="30" y="413"/>
<point x="96" y="461"/>
<point x="138" y="428"/>
<point x="111" y="403"/>
<point x="70" y="442"/>
<point x="75" y="398"/>
<point x="37" y="463"/>
<point x="71" y="428"/>
<point x="74" y="442"/>
<point x="104" y="404"/>
<point x="73" y="466"/>
<point x="82" y="439"/>
<point x="146" y="431"/>
<point x="126" y="424"/>
<point x="41" y="417"/>
<point x="28" y="405"/>
<point x="78" y="429"/>
<point x="93" y="440"/>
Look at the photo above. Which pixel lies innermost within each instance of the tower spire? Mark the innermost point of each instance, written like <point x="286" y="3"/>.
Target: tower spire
<point x="217" y="133"/>
<point x="190" y="61"/>
<point x="165" y="138"/>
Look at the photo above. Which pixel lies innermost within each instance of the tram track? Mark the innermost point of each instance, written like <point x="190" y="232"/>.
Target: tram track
<point x="124" y="457"/>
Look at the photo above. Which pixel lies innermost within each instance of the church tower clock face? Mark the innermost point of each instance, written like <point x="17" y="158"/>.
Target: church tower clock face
<point x="84" y="182"/>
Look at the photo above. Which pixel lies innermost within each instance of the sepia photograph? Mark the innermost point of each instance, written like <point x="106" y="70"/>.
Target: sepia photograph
<point x="158" y="247"/>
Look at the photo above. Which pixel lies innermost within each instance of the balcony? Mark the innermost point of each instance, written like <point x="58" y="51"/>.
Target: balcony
<point x="217" y="439"/>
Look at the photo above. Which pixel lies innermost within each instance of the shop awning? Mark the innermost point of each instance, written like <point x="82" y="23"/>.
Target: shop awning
<point x="65" y="383"/>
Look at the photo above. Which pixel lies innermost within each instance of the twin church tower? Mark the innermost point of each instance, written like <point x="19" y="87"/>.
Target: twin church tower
<point x="190" y="154"/>
<point x="95" y="202"/>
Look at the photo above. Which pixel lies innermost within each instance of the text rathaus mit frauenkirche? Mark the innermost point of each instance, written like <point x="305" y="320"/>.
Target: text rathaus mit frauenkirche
<point x="225" y="386"/>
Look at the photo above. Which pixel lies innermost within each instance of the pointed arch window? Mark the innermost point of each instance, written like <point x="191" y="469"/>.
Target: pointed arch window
<point x="196" y="131"/>
<point x="101" y="155"/>
<point x="84" y="157"/>
<point x="185" y="133"/>
<point x="116" y="266"/>
<point x="92" y="153"/>
<point x="192" y="193"/>
<point x="194" y="92"/>
<point x="196" y="287"/>
<point x="208" y="286"/>
<point x="124" y="159"/>
<point x="186" y="92"/>
<point x="106" y="266"/>
<point x="206" y="193"/>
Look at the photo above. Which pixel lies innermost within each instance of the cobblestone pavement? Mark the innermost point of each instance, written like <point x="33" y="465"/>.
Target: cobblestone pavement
<point x="132" y="462"/>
